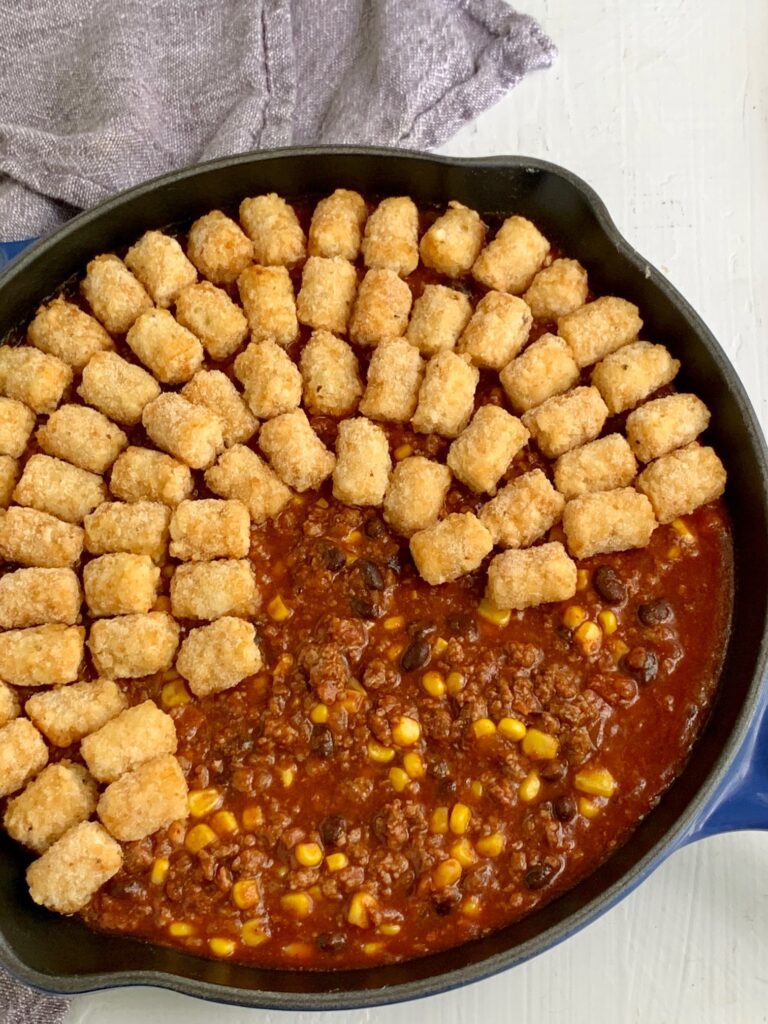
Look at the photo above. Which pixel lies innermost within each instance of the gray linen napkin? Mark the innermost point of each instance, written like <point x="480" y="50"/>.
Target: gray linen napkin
<point x="97" y="95"/>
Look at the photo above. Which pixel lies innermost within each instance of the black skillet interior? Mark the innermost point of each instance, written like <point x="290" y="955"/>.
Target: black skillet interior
<point x="60" y="954"/>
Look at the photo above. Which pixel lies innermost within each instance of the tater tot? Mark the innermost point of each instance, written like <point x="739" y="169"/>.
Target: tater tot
<point x="48" y="655"/>
<point x="65" y="491"/>
<point x="509" y="262"/>
<point x="23" y="753"/>
<point x="567" y="421"/>
<point x="29" y="537"/>
<point x="120" y="584"/>
<point x="9" y="475"/>
<point x="159" y="263"/>
<point x="117" y="388"/>
<point x="658" y="427"/>
<point x="82" y="436"/>
<point x="191" y="433"/>
<point x="34" y="378"/>
<point x="497" y="331"/>
<point x="328" y="289"/>
<point x="439" y="316"/>
<point x="295" y="452"/>
<point x="142" y="474"/>
<point x="452" y="244"/>
<point x="363" y="465"/>
<point x="67" y="713"/>
<point x="273" y="227"/>
<point x="395" y="373"/>
<point x="557" y="290"/>
<point x="132" y="646"/>
<point x="9" y="703"/>
<point x="209" y="528"/>
<point x="598" y="328"/>
<point x="268" y="300"/>
<point x="391" y="239"/>
<point x="544" y="370"/>
<point x="61" y="796"/>
<point x="241" y="474"/>
<point x="211" y="590"/>
<point x="140" y="528"/>
<point x="34" y="597"/>
<point x="218" y="248"/>
<point x="113" y="293"/>
<point x="601" y="465"/>
<point x="213" y="390"/>
<point x="337" y="225"/>
<point x="446" y="395"/>
<point x="271" y="379"/>
<point x="16" y="424"/>
<point x="450" y="548"/>
<point x="415" y="495"/>
<point x="148" y="798"/>
<point x="170" y="351"/>
<point x="678" y="483"/>
<point x="381" y="308"/>
<point x="629" y="375"/>
<point x="63" y="330"/>
<point x="607" y="521"/>
<point x="136" y="735"/>
<point x="523" y="511"/>
<point x="520" y="579"/>
<point x="219" y="656"/>
<point x="331" y="375"/>
<point x="217" y="321"/>
<point x="482" y="452"/>
<point x="69" y="873"/>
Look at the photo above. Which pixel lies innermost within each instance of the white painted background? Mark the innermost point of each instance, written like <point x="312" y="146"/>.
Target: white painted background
<point x="662" y="105"/>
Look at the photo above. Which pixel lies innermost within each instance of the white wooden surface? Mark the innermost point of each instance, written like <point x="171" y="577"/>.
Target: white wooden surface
<point x="662" y="105"/>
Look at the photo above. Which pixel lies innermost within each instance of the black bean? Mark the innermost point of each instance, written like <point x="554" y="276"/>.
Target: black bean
<point x="608" y="585"/>
<point x="415" y="655"/>
<point x="374" y="527"/>
<point x="641" y="663"/>
<point x="333" y="558"/>
<point x="538" y="876"/>
<point x="363" y="607"/>
<point x="333" y="827"/>
<point x="654" y="613"/>
<point x="371" y="574"/>
<point x="421" y="627"/>
<point x="551" y="771"/>
<point x="321" y="742"/>
<point x="444" y="907"/>
<point x="461" y="624"/>
<point x="564" y="808"/>
<point x="331" y="942"/>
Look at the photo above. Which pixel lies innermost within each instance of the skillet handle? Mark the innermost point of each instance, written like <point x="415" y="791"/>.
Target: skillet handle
<point x="741" y="802"/>
<point x="10" y="249"/>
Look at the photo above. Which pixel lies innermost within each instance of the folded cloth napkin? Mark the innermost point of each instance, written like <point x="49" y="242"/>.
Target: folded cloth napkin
<point x="100" y="94"/>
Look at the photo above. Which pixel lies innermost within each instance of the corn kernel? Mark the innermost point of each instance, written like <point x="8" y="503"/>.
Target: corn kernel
<point x="321" y="503"/>
<point x="439" y="646"/>
<point x="353" y="701"/>
<point x="298" y="949"/>
<point x="315" y="892"/>
<point x="512" y="729"/>
<point x="687" y="535"/>
<point x="180" y="929"/>
<point x="433" y="683"/>
<point x="619" y="648"/>
<point x="372" y="948"/>
<point x="299" y="499"/>
<point x="414" y="765"/>
<point x="459" y="819"/>
<point x="595" y="782"/>
<point x="462" y="851"/>
<point x="287" y="776"/>
<point x="224" y="822"/>
<point x="438" y="822"/>
<point x="198" y="837"/>
<point x="245" y="893"/>
<point x="588" y="808"/>
<point x="201" y="801"/>
<point x="608" y="621"/>
<point x="253" y="818"/>
<point x="455" y="683"/>
<point x="175" y="694"/>
<point x="336" y="861"/>
<point x="379" y="753"/>
<point x="297" y="903"/>
<point x="447" y="872"/>
<point x="582" y="579"/>
<point x="354" y="537"/>
<point x="403" y="451"/>
<point x="476" y="789"/>
<point x="399" y="779"/>
<point x="589" y="637"/>
<point x="319" y="714"/>
<point x="394" y="622"/>
<point x="388" y="929"/>
<point x="359" y="907"/>
<point x="394" y="652"/>
<point x="252" y="933"/>
<point x="490" y="846"/>
<point x="573" y="616"/>
<point x="471" y="906"/>
<point x="278" y="610"/>
<point x="309" y="855"/>
<point x="539" y="745"/>
<point x="483" y="727"/>
<point x="159" y="871"/>
<point x="406" y="732"/>
<point x="529" y="787"/>
<point x="492" y="614"/>
<point x="675" y="551"/>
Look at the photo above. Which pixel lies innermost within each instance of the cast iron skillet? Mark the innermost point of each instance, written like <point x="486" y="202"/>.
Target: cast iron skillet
<point x="723" y="786"/>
